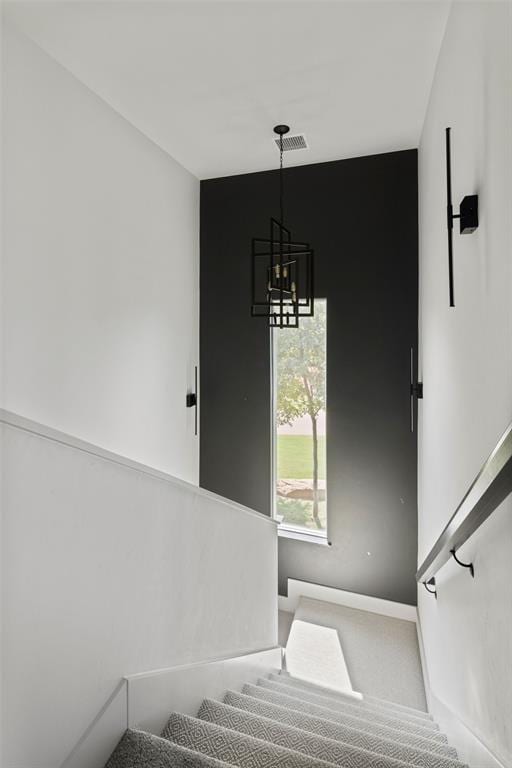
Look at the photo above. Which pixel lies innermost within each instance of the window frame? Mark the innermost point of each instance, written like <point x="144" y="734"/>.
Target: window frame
<point x="288" y="530"/>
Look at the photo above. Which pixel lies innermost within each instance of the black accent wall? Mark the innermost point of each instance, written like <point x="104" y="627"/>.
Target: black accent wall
<point x="360" y="216"/>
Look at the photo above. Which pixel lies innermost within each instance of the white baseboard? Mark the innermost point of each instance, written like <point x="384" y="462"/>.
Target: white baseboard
<point x="154" y="695"/>
<point x="298" y="589"/>
<point x="469" y="747"/>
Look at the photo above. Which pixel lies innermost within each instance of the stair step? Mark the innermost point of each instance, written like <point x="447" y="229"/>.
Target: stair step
<point x="292" y="738"/>
<point x="445" y="758"/>
<point x="365" y="700"/>
<point x="425" y="728"/>
<point x="232" y="747"/>
<point x="138" y="749"/>
<point x="404" y="737"/>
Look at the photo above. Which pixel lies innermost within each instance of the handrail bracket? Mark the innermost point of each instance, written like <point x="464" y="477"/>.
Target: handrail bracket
<point x="463" y="565"/>
<point x="490" y="487"/>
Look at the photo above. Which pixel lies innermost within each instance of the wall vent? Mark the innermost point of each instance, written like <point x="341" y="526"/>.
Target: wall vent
<point x="293" y="142"/>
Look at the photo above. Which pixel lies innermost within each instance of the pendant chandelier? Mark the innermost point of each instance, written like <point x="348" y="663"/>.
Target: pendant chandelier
<point x="282" y="270"/>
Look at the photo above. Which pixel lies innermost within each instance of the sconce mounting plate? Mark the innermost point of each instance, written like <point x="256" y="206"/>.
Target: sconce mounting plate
<point x="468" y="217"/>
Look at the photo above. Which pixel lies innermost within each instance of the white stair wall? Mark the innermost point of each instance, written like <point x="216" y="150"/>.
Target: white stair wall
<point x="113" y="569"/>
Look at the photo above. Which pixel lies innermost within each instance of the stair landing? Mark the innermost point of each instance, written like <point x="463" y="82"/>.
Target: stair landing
<point x="349" y="649"/>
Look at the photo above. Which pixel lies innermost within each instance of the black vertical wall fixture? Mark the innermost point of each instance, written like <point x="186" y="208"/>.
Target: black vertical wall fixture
<point x="366" y="268"/>
<point x="416" y="390"/>
<point x="191" y="400"/>
<point x="468" y="215"/>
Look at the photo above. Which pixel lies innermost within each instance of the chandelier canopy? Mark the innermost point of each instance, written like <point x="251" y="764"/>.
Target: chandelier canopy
<point x="281" y="269"/>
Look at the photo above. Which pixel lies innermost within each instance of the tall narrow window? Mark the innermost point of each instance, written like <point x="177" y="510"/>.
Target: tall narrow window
<point x="299" y="424"/>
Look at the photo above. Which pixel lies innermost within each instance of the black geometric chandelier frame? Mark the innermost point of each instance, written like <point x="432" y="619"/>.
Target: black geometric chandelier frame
<point x="282" y="274"/>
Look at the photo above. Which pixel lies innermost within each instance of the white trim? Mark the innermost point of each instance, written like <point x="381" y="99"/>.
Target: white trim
<point x="214" y="660"/>
<point x="154" y="695"/>
<point x="470" y="748"/>
<point x="287" y="532"/>
<point x="283" y="604"/>
<point x="423" y="658"/>
<point x="297" y="589"/>
<point x="48" y="433"/>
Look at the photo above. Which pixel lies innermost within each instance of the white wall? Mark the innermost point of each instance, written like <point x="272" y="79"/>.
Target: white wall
<point x="108" y="569"/>
<point x="100" y="269"/>
<point x="466" y="360"/>
<point x="112" y="569"/>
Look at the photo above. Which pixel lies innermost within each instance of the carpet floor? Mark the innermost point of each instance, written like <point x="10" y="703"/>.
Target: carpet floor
<point x="344" y="648"/>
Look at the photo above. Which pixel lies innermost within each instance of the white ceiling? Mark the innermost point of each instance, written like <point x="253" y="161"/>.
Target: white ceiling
<point x="207" y="81"/>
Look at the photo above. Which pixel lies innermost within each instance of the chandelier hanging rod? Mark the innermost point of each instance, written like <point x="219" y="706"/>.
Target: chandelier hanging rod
<point x="281" y="131"/>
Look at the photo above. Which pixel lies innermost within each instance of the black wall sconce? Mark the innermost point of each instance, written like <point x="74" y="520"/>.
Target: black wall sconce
<point x="468" y="215"/>
<point x="191" y="400"/>
<point x="415" y="389"/>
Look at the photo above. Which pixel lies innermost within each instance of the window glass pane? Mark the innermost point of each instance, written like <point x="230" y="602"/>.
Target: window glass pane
<point x="299" y="419"/>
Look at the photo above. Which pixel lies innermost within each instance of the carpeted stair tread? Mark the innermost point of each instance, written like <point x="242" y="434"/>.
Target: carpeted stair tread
<point x="232" y="747"/>
<point x="138" y="749"/>
<point x="366" y="700"/>
<point x="446" y="757"/>
<point x="404" y="737"/>
<point x="425" y="728"/>
<point x="292" y="738"/>
<point x="369" y="708"/>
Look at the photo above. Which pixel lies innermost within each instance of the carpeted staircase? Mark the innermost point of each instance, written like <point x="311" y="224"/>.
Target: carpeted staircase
<point x="283" y="722"/>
